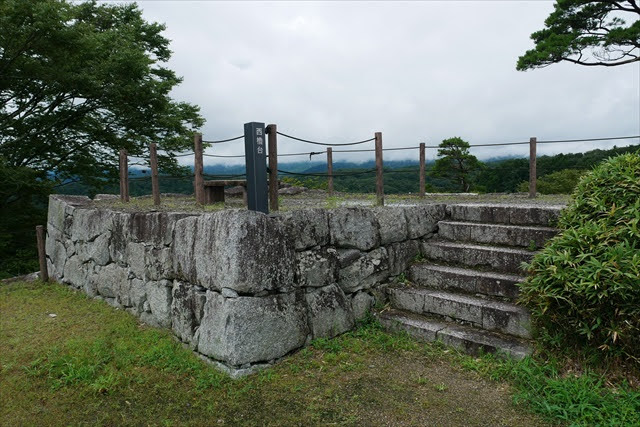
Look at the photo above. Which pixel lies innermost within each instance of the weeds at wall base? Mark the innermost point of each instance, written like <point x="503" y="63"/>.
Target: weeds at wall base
<point x="570" y="388"/>
<point x="115" y="360"/>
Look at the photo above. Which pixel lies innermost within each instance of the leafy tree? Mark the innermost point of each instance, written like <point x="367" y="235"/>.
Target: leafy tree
<point x="560" y="182"/>
<point x="586" y="32"/>
<point x="80" y="81"/>
<point x="503" y="176"/>
<point x="455" y="163"/>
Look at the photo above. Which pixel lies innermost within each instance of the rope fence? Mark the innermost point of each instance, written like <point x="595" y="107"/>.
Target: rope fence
<point x="219" y="180"/>
<point x="224" y="140"/>
<point x="327" y="144"/>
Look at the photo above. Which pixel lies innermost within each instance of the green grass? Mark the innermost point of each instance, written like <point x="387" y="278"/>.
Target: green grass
<point x="569" y="395"/>
<point x="92" y="364"/>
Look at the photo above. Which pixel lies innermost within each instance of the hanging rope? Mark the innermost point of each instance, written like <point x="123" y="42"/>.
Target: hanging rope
<point x="224" y="140"/>
<point x="325" y="143"/>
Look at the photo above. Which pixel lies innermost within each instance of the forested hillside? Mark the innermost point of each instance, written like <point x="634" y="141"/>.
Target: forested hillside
<point x="496" y="176"/>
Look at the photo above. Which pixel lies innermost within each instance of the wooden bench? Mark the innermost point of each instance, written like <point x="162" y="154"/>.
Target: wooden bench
<point x="214" y="190"/>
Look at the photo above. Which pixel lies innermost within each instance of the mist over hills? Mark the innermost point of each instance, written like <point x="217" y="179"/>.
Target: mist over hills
<point x="315" y="166"/>
<point x="310" y="167"/>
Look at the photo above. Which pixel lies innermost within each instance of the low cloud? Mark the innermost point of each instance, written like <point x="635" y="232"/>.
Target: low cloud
<point x="416" y="71"/>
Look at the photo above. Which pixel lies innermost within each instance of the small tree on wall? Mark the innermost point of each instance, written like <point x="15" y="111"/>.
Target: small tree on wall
<point x="455" y="163"/>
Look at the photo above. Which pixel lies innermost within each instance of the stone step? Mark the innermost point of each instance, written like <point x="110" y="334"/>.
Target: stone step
<point x="497" y="316"/>
<point x="524" y="214"/>
<point x="466" y="338"/>
<point x="499" y="234"/>
<point x="463" y="279"/>
<point x="506" y="260"/>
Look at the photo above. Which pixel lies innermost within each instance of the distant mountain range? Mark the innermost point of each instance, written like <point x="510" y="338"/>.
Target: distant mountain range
<point x="308" y="167"/>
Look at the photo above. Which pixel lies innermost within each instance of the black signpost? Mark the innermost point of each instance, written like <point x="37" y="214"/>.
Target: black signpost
<point x="255" y="154"/>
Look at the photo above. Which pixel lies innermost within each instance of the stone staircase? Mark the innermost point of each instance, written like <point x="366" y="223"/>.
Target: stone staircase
<point x="464" y="293"/>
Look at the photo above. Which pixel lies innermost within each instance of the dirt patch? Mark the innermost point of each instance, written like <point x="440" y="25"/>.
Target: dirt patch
<point x="407" y="389"/>
<point x="92" y="364"/>
<point x="320" y="199"/>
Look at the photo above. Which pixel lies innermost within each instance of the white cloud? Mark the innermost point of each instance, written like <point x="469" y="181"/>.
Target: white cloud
<point x="416" y="71"/>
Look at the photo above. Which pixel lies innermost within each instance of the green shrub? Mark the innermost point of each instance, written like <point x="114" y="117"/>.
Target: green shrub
<point x="561" y="182"/>
<point x="584" y="287"/>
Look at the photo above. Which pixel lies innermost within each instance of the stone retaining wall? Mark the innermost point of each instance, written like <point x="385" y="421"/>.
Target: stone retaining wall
<point x="241" y="288"/>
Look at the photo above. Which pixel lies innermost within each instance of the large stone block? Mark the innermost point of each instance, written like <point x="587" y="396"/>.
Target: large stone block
<point x="136" y="259"/>
<point x="158" y="264"/>
<point x="524" y="214"/>
<point x="506" y="318"/>
<point x="423" y="219"/>
<point x="120" y="237"/>
<point x="245" y="330"/>
<point x="347" y="257"/>
<point x="109" y="280"/>
<point x="502" y="259"/>
<point x="379" y="293"/>
<point x="330" y="312"/>
<point x="354" y="228"/>
<point x="237" y="249"/>
<point x="498" y="234"/>
<point x="547" y="215"/>
<point x="60" y="206"/>
<point x="88" y="224"/>
<point x="308" y="227"/>
<point x="56" y="252"/>
<point x="401" y="255"/>
<point x="317" y="268"/>
<point x="90" y="286"/>
<point x="154" y="228"/>
<point x="56" y="213"/>
<point x="187" y="304"/>
<point x="96" y="251"/>
<point x="407" y="299"/>
<point x="362" y="302"/>
<point x="393" y="224"/>
<point x="70" y="247"/>
<point x="53" y="273"/>
<point x="75" y="272"/>
<point x="371" y="268"/>
<point x="159" y="296"/>
<point x="133" y="294"/>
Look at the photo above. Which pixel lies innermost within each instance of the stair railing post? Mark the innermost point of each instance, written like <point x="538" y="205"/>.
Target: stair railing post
<point x="198" y="168"/>
<point x="532" y="167"/>
<point x="422" y="177"/>
<point x="124" y="176"/>
<point x="42" y="255"/>
<point x="153" y="160"/>
<point x="272" y="132"/>
<point x="379" y="177"/>
<point x="330" y="170"/>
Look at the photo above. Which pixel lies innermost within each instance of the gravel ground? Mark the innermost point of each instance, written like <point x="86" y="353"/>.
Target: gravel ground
<point x="320" y="199"/>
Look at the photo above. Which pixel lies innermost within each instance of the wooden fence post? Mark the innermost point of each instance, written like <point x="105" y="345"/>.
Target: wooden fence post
<point x="198" y="168"/>
<point x="42" y="255"/>
<point x="379" y="179"/>
<point x="330" y="170"/>
<point x="273" y="167"/>
<point x="422" y="178"/>
<point x="532" y="168"/>
<point x="124" y="176"/>
<point x="155" y="189"/>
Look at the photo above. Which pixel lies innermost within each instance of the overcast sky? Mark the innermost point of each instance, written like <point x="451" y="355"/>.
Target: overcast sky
<point x="415" y="71"/>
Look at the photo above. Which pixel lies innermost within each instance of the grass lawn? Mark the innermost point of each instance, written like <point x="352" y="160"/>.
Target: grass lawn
<point x="92" y="364"/>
